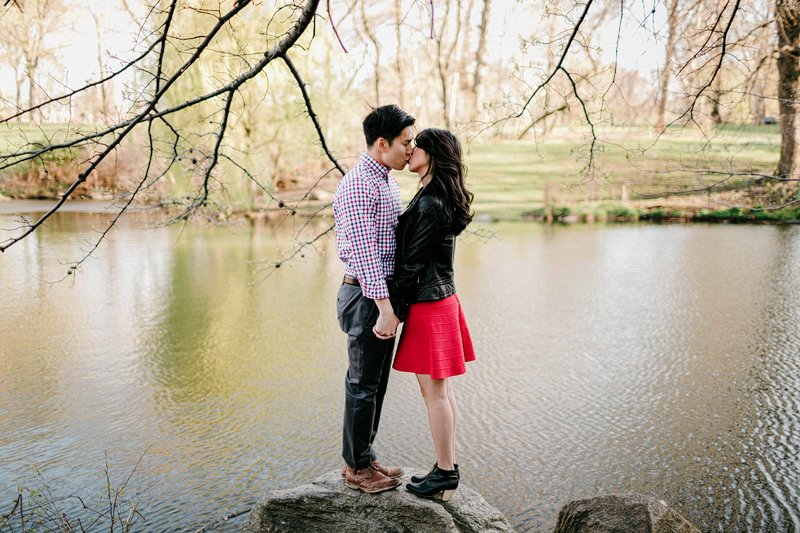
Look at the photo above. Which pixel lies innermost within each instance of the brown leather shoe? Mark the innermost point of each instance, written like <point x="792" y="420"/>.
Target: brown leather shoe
<point x="393" y="472"/>
<point x="369" y="480"/>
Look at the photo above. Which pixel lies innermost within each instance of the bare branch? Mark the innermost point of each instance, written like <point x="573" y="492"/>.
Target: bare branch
<point x="150" y="113"/>
<point x="202" y="197"/>
<point x="299" y="248"/>
<point x="150" y="106"/>
<point x="541" y="118"/>
<point x="560" y="61"/>
<point x="586" y="115"/>
<point x="717" y="68"/>
<point x="432" y="18"/>
<point x="333" y="26"/>
<point x="86" y="87"/>
<point x="310" y="110"/>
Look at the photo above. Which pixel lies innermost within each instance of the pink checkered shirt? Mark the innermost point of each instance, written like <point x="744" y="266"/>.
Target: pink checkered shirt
<point x="365" y="207"/>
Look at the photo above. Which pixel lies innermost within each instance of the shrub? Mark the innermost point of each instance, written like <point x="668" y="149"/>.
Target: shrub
<point x="620" y="213"/>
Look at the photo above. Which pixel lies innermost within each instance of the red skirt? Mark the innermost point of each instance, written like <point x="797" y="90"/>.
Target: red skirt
<point x="435" y="340"/>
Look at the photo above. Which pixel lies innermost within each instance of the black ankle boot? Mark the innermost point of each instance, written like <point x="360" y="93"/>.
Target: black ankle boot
<point x="439" y="484"/>
<point x="420" y="479"/>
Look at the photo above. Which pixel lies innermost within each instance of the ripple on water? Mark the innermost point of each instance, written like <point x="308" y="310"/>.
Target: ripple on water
<point x="640" y="359"/>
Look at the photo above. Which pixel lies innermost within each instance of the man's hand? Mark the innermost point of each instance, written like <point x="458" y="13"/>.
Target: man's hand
<point x="386" y="326"/>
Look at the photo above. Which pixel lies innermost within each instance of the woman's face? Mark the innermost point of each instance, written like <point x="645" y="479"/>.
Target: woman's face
<point x="419" y="162"/>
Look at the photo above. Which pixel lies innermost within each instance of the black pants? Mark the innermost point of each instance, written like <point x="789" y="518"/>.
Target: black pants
<point x="370" y="361"/>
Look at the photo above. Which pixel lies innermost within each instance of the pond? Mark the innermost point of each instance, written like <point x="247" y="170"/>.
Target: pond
<point x="663" y="360"/>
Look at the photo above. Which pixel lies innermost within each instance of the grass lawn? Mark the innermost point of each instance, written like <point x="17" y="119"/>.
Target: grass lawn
<point x="630" y="166"/>
<point x="13" y="136"/>
<point x="509" y="177"/>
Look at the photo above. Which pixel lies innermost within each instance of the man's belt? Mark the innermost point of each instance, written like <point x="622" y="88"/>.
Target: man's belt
<point x="351" y="281"/>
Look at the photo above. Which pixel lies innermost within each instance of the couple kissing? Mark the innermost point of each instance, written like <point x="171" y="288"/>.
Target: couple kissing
<point x="398" y="267"/>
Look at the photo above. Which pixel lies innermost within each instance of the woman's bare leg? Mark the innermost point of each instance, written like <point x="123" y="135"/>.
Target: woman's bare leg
<point x="454" y="408"/>
<point x="440" y="418"/>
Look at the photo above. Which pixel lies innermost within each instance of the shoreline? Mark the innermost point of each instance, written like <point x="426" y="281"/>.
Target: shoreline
<point x="563" y="215"/>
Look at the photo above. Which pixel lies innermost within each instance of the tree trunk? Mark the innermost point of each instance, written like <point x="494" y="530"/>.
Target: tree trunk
<point x="788" y="23"/>
<point x="398" y="66"/>
<point x="443" y="84"/>
<point x="104" y="96"/>
<point x="549" y="120"/>
<point x="666" y="71"/>
<point x="716" y="95"/>
<point x="455" y="80"/>
<point x="19" y="80"/>
<point x="757" y="106"/>
<point x="480" y="54"/>
<point x="443" y="59"/>
<point x="32" y="70"/>
<point x="376" y="44"/>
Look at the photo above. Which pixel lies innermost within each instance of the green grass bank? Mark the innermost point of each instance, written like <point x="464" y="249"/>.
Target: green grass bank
<point x="628" y="174"/>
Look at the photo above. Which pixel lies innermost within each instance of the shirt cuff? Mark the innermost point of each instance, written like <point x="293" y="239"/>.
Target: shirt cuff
<point x="375" y="290"/>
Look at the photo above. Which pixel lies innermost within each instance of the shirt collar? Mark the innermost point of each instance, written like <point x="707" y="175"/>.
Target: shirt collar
<point x="369" y="162"/>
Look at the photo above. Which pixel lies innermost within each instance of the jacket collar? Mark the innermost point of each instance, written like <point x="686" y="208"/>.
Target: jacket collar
<point x="419" y="194"/>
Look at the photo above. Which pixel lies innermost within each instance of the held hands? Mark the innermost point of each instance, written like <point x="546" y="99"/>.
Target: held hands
<point x="386" y="326"/>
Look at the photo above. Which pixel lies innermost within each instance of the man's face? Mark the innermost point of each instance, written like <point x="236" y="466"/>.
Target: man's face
<point x="397" y="154"/>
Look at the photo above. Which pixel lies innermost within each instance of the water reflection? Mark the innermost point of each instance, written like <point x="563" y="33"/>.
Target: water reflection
<point x="654" y="359"/>
<point x="771" y="435"/>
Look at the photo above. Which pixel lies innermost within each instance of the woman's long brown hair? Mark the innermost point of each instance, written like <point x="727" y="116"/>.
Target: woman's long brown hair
<point x="447" y="172"/>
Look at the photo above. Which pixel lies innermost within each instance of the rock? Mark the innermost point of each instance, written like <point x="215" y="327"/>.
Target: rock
<point x="621" y="513"/>
<point x="326" y="505"/>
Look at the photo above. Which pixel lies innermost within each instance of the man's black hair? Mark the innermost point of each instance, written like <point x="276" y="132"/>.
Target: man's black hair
<point x="387" y="121"/>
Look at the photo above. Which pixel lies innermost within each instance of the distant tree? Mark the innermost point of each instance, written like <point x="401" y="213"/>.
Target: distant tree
<point x="480" y="55"/>
<point x="717" y="44"/>
<point x="447" y="41"/>
<point x="399" y="63"/>
<point x="787" y="22"/>
<point x="23" y="42"/>
<point x="367" y="24"/>
<point x="167" y="59"/>
<point x="666" y="69"/>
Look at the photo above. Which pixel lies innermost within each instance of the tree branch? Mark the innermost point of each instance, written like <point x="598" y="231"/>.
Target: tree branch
<point x="717" y="68"/>
<point x="310" y="110"/>
<point x="150" y="113"/>
<point x="586" y="115"/>
<point x="560" y="61"/>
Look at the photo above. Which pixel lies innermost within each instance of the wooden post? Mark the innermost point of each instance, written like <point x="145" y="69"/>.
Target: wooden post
<point x="549" y="197"/>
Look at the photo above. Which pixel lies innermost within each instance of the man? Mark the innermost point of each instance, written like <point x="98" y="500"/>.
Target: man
<point x="366" y="208"/>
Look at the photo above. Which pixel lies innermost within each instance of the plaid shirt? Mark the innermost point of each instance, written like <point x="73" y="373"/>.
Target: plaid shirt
<point x="365" y="207"/>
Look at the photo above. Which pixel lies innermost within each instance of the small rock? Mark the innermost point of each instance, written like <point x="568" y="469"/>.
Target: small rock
<point x="621" y="513"/>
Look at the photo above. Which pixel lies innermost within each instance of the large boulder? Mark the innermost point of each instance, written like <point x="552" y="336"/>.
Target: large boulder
<point x="326" y="505"/>
<point x="621" y="513"/>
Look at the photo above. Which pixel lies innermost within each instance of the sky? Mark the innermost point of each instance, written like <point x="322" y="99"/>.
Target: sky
<point x="77" y="48"/>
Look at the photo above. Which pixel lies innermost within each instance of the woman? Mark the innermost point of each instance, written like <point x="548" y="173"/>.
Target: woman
<point x="435" y="343"/>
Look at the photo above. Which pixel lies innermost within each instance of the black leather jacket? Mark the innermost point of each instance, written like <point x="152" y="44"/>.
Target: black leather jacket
<point x="423" y="269"/>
